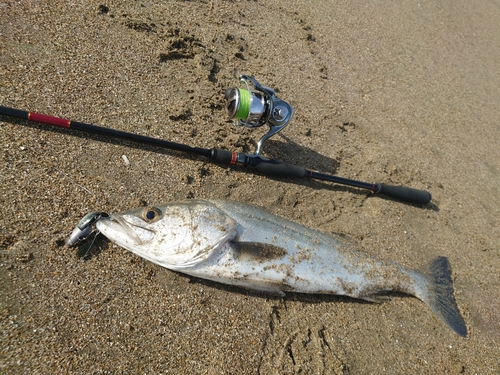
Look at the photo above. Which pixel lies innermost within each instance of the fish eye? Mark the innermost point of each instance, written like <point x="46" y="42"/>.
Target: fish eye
<point x="151" y="214"/>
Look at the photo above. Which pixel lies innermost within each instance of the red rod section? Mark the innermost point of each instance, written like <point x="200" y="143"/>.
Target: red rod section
<point x="50" y="120"/>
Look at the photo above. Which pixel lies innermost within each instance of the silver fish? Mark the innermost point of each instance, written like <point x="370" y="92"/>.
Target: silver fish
<point x="243" y="245"/>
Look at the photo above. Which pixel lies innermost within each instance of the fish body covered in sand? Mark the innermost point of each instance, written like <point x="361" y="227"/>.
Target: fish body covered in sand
<point x="243" y="245"/>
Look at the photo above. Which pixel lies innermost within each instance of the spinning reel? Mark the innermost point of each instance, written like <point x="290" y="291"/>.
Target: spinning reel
<point x="253" y="105"/>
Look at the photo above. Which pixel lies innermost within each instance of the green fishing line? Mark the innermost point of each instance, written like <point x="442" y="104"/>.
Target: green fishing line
<point x="244" y="107"/>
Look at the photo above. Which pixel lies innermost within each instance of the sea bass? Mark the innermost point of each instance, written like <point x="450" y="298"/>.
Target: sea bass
<point x="243" y="245"/>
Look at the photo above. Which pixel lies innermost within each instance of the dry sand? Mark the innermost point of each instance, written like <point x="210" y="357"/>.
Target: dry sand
<point x="399" y="92"/>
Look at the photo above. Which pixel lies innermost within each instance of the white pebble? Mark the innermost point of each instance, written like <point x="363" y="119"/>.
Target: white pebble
<point x="125" y="160"/>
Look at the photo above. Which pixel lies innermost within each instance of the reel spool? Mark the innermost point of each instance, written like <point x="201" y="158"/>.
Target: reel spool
<point x="253" y="105"/>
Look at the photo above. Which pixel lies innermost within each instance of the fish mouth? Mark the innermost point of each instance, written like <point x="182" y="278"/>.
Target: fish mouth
<point x="122" y="231"/>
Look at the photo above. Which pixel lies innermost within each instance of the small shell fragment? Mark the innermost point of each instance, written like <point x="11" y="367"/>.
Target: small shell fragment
<point x="125" y="160"/>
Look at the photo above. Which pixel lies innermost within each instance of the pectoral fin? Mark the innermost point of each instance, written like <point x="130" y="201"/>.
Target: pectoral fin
<point x="257" y="251"/>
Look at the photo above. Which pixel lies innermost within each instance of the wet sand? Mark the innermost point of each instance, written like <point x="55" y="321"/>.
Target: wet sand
<point x="404" y="94"/>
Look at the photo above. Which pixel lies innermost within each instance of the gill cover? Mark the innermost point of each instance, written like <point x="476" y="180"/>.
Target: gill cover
<point x="178" y="236"/>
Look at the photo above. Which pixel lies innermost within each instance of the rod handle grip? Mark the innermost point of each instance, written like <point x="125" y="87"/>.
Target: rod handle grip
<point x="276" y="168"/>
<point x="270" y="167"/>
<point x="405" y="193"/>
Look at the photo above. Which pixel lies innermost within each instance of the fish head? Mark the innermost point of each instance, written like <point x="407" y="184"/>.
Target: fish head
<point x="175" y="236"/>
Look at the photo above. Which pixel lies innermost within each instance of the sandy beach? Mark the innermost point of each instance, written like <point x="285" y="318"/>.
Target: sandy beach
<point x="403" y="93"/>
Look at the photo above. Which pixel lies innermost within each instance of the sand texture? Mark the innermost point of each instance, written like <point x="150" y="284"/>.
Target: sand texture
<point x="405" y="93"/>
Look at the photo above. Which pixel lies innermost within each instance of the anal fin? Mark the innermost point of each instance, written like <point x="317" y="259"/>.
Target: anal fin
<point x="376" y="298"/>
<point x="263" y="287"/>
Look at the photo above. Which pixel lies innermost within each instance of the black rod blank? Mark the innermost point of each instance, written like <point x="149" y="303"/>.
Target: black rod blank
<point x="270" y="167"/>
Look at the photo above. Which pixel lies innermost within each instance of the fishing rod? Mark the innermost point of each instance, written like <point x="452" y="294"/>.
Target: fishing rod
<point x="251" y="105"/>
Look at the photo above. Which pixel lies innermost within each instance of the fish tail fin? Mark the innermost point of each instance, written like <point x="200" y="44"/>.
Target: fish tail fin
<point x="440" y="296"/>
